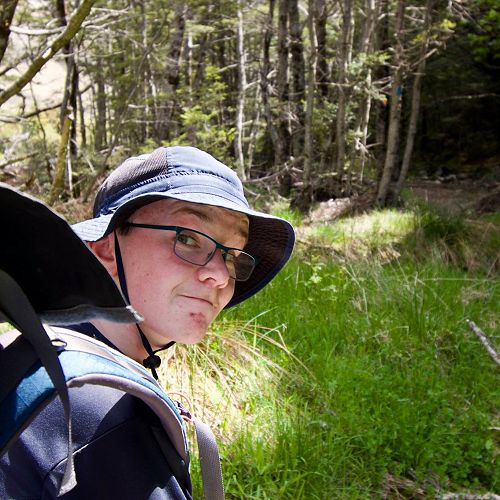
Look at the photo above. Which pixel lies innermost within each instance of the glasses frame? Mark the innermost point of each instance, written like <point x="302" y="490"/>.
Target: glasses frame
<point x="178" y="229"/>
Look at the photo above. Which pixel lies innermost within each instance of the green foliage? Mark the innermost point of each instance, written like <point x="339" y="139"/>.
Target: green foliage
<point x="364" y="61"/>
<point x="485" y="35"/>
<point x="282" y="209"/>
<point x="454" y="239"/>
<point x="202" y="122"/>
<point x="204" y="132"/>
<point x="323" y="120"/>
<point x="398" y="385"/>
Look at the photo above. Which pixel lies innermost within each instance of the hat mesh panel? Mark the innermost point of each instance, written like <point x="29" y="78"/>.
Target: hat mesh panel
<point x="130" y="173"/>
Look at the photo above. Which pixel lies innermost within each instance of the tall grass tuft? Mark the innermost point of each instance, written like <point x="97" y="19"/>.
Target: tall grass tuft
<point x="454" y="239"/>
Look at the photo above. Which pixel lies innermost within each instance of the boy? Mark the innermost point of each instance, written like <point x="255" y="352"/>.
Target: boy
<point x="175" y="232"/>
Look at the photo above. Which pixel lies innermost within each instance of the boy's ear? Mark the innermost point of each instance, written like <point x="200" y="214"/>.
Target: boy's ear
<point x="104" y="250"/>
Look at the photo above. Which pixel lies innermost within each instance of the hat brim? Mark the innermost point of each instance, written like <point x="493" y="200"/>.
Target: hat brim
<point x="271" y="239"/>
<point x="63" y="280"/>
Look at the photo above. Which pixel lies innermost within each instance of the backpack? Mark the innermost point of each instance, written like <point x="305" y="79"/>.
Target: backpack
<point x="39" y="363"/>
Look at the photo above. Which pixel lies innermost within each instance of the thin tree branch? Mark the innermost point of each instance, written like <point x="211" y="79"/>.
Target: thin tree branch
<point x="16" y="160"/>
<point x="92" y="23"/>
<point x="74" y="25"/>
<point x="469" y="97"/>
<point x="38" y="111"/>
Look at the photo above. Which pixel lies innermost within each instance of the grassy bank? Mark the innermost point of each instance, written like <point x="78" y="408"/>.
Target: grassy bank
<point x="354" y="374"/>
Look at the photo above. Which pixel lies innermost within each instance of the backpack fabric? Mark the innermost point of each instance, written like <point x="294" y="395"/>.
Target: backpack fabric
<point x="129" y="438"/>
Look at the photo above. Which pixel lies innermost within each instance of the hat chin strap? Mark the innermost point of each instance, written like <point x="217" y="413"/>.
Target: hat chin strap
<point x="153" y="361"/>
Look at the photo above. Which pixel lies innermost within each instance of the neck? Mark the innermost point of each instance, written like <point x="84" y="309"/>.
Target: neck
<point x="124" y="336"/>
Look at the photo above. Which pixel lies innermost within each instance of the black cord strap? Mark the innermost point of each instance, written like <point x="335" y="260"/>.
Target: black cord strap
<point x="153" y="361"/>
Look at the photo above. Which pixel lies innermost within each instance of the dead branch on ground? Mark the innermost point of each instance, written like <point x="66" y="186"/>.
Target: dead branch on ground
<point x="485" y="341"/>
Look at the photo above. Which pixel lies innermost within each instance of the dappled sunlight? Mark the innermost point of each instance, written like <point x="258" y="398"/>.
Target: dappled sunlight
<point x="229" y="377"/>
<point x="418" y="232"/>
<point x="389" y="225"/>
<point x="376" y="234"/>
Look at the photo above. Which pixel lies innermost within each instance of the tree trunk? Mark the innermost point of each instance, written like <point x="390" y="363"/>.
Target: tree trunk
<point x="343" y="86"/>
<point x="264" y="81"/>
<point x="311" y="89"/>
<point x="7" y="10"/>
<point x="415" y="105"/>
<point x="172" y="69"/>
<point x="201" y="61"/>
<point x="242" y="83"/>
<point x="100" y="138"/>
<point x="322" y="73"/>
<point x="69" y="101"/>
<point x="254" y="130"/>
<point x="58" y="184"/>
<point x="365" y="47"/>
<point x="147" y="81"/>
<point x="395" y="104"/>
<point x="381" y="74"/>
<point x="81" y="115"/>
<point x="298" y="79"/>
<point x="282" y="152"/>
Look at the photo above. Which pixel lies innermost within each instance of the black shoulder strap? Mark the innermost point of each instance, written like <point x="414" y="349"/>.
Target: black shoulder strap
<point x="16" y="307"/>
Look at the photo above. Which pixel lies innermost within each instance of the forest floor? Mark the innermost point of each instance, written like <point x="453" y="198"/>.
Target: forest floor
<point x="475" y="189"/>
<point x="452" y="196"/>
<point x="458" y="196"/>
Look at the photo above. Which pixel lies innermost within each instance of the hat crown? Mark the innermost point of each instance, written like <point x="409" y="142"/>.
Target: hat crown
<point x="164" y="169"/>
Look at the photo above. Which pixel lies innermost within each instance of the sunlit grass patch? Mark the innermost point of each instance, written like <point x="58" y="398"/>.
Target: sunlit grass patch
<point x="378" y="227"/>
<point x="235" y="372"/>
<point x="419" y="233"/>
<point x="375" y="234"/>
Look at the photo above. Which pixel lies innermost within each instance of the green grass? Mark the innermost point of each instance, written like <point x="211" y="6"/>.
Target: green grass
<point x="354" y="375"/>
<point x="398" y="385"/>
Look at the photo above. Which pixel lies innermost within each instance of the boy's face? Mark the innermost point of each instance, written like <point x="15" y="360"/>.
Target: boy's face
<point x="178" y="300"/>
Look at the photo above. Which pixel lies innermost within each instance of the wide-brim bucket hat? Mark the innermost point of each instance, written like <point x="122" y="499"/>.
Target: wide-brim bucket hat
<point x="189" y="174"/>
<point x="61" y="278"/>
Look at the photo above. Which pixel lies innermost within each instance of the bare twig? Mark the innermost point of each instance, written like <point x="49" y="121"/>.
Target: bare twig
<point x="93" y="23"/>
<point x="485" y="341"/>
<point x="16" y="160"/>
<point x="469" y="97"/>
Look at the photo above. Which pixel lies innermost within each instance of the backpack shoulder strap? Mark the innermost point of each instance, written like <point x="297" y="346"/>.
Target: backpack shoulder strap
<point x="87" y="361"/>
<point x="211" y="472"/>
<point x="213" y="485"/>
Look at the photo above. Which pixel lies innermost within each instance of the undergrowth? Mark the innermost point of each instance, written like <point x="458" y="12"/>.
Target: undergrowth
<point x="354" y="374"/>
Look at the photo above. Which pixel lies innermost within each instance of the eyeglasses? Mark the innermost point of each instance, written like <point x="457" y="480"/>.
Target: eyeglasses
<point x="198" y="248"/>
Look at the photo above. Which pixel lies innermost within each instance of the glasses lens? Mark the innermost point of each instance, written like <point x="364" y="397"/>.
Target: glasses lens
<point x="198" y="249"/>
<point x="240" y="264"/>
<point x="194" y="247"/>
